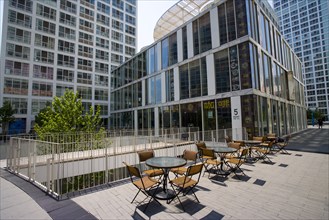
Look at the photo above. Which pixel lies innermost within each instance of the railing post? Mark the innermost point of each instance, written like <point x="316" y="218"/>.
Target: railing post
<point x="34" y="157"/>
<point x="29" y="161"/>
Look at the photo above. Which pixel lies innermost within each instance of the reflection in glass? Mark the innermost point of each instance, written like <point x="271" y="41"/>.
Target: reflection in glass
<point x="222" y="71"/>
<point x="222" y="24"/>
<point x="184" y="82"/>
<point x="195" y="86"/>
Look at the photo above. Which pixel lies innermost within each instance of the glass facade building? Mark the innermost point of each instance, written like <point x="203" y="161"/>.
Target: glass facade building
<point x="49" y="46"/>
<point x="227" y="67"/>
<point x="305" y="26"/>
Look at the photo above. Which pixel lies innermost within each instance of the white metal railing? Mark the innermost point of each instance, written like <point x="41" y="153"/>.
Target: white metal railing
<point x="80" y="161"/>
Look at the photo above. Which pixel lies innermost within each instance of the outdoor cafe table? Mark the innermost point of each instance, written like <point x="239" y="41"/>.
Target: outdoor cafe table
<point x="165" y="163"/>
<point x="249" y="144"/>
<point x="222" y="151"/>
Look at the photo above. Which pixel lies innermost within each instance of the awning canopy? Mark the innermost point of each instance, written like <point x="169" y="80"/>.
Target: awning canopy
<point x="177" y="15"/>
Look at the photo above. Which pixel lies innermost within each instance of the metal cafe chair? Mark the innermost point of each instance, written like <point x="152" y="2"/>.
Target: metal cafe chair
<point x="147" y="185"/>
<point x="186" y="183"/>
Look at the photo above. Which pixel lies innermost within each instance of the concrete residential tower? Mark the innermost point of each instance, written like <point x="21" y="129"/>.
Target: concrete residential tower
<point x="305" y="25"/>
<point x="52" y="45"/>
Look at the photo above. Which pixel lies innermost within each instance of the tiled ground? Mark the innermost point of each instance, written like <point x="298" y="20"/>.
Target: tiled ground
<point x="295" y="187"/>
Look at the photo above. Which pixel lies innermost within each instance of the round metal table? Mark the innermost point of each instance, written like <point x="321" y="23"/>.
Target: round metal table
<point x="165" y="163"/>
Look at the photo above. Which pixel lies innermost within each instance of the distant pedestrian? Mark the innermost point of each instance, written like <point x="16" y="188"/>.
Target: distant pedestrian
<point x="320" y="122"/>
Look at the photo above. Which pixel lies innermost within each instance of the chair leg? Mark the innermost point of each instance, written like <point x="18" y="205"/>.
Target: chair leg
<point x="135" y="196"/>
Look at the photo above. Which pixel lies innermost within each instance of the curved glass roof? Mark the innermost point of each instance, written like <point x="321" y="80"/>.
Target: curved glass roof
<point x="177" y="15"/>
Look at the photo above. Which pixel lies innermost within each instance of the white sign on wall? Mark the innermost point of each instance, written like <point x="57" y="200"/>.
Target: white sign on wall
<point x="236" y="118"/>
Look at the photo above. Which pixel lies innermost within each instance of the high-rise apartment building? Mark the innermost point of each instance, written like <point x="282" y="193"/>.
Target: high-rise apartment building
<point x="49" y="46"/>
<point x="305" y="26"/>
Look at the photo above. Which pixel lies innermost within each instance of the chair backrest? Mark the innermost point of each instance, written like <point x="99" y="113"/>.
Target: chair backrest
<point x="190" y="155"/>
<point x="259" y="138"/>
<point x="271" y="135"/>
<point x="244" y="153"/>
<point x="201" y="145"/>
<point x="228" y="139"/>
<point x="234" y="145"/>
<point x="145" y="154"/>
<point x="133" y="171"/>
<point x="208" y="152"/>
<point x="242" y="144"/>
<point x="194" y="169"/>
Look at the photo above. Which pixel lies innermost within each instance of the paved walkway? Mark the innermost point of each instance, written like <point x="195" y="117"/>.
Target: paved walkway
<point x="296" y="186"/>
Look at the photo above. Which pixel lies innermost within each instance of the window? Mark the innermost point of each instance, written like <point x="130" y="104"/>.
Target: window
<point x="103" y="19"/>
<point x="222" y="70"/>
<point x="15" y="86"/>
<point x="38" y="105"/>
<point x="85" y="64"/>
<point x="131" y="9"/>
<point x="65" y="75"/>
<point x="118" y="4"/>
<point x="60" y="89"/>
<point x="66" y="33"/>
<point x="46" y="12"/>
<point x="66" y="46"/>
<point x="101" y="80"/>
<point x="101" y="67"/>
<point x="18" y="51"/>
<point x="169" y="51"/>
<point x="85" y="51"/>
<point x="103" y="8"/>
<point x="84" y="78"/>
<point x="100" y="42"/>
<point x="241" y="18"/>
<point x="67" y="19"/>
<point x="25" y="5"/>
<point x="184" y="40"/>
<point x="230" y="20"/>
<point x="43" y="56"/>
<point x="19" y="19"/>
<point x="85" y="38"/>
<point x="63" y="60"/>
<point x="102" y="31"/>
<point x="117" y="25"/>
<point x="116" y="58"/>
<point x="86" y="25"/>
<point x="103" y="55"/>
<point x="87" y="13"/>
<point x="84" y="92"/>
<point x="43" y="72"/>
<point x="130" y="30"/>
<point x="130" y="51"/>
<point x="202" y="34"/>
<point x="18" y="35"/>
<point x="129" y="40"/>
<point x="18" y="104"/>
<point x="42" y="89"/>
<point x="68" y="6"/>
<point x="16" y="68"/>
<point x="44" y="41"/>
<point x="117" y="47"/>
<point x="130" y="20"/>
<point x="222" y="24"/>
<point x="101" y="94"/>
<point x="45" y="26"/>
<point x="152" y="64"/>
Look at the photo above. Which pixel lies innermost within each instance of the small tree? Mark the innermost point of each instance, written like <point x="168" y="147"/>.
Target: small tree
<point x="6" y="116"/>
<point x="66" y="116"/>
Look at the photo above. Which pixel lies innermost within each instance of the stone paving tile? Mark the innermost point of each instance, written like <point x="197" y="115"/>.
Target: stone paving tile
<point x="18" y="205"/>
<point x="288" y="193"/>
